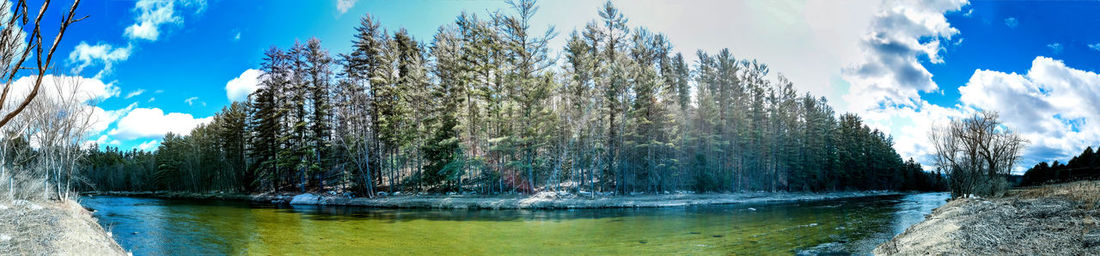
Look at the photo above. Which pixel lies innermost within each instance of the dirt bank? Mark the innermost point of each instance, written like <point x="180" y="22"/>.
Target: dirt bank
<point x="1057" y="219"/>
<point x="52" y="228"/>
<point x="545" y="200"/>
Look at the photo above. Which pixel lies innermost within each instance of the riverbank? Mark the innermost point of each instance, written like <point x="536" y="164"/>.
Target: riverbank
<point x="1061" y="219"/>
<point x="545" y="200"/>
<point x="52" y="228"/>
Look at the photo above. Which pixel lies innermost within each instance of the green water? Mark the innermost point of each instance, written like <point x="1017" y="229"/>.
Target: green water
<point x="175" y="227"/>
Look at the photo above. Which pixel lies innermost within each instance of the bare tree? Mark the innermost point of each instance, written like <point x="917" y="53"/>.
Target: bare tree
<point x="14" y="50"/>
<point x="977" y="152"/>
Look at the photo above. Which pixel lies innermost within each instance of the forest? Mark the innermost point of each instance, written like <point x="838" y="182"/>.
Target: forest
<point x="485" y="106"/>
<point x="1085" y="166"/>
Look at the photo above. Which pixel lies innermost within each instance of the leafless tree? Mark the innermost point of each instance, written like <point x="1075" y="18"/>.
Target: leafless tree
<point x="977" y="152"/>
<point x="16" y="48"/>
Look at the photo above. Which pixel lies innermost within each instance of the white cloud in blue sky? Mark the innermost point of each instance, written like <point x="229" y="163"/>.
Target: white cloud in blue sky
<point x="1055" y="48"/>
<point x="1011" y="22"/>
<point x="85" y="55"/>
<point x="149" y="145"/>
<point x="154" y="123"/>
<point x="1049" y="105"/>
<point x="342" y="6"/>
<point x="240" y="87"/>
<point x="886" y="85"/>
<point x="134" y="93"/>
<point x="151" y="15"/>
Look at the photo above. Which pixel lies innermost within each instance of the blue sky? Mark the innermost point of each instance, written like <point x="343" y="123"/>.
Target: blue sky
<point x="165" y="65"/>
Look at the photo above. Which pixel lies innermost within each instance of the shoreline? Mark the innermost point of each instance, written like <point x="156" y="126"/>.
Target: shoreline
<point x="53" y="228"/>
<point x="545" y="200"/>
<point x="1059" y="219"/>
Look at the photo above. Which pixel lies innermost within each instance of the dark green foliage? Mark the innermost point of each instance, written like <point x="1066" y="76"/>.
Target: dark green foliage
<point x="1085" y="166"/>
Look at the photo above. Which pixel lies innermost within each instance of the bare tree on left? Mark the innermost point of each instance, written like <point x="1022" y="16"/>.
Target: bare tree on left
<point x="19" y="52"/>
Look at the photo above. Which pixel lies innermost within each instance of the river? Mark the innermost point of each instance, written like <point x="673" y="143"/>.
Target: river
<point x="147" y="226"/>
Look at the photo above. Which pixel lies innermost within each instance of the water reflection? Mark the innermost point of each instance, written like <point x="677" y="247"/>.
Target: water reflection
<point x="176" y="227"/>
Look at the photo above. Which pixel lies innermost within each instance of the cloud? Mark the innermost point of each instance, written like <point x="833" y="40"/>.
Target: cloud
<point x="151" y="14"/>
<point x="808" y="41"/>
<point x="89" y="89"/>
<point x="886" y="81"/>
<point x="154" y="123"/>
<point x="237" y="37"/>
<point x="239" y="88"/>
<point x="104" y="118"/>
<point x="151" y="99"/>
<point x="85" y="55"/>
<point x="134" y="93"/>
<point x="1056" y="48"/>
<point x="1046" y="106"/>
<point x="191" y="101"/>
<point x="149" y="145"/>
<point x="1095" y="46"/>
<point x="342" y="6"/>
<point x="890" y="72"/>
<point x="1011" y="22"/>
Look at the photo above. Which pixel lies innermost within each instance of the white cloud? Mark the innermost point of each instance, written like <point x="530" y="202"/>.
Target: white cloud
<point x="1056" y="48"/>
<point x="149" y="145"/>
<point x="891" y="73"/>
<point x="151" y="14"/>
<point x="154" y="123"/>
<point x="85" y="55"/>
<point x="89" y="89"/>
<point x="104" y="118"/>
<point x="151" y="99"/>
<point x="237" y="37"/>
<point x="134" y="93"/>
<point x="191" y="101"/>
<point x="240" y="87"/>
<point x="807" y="41"/>
<point x="1011" y="22"/>
<point x="1047" y="106"/>
<point x="342" y="6"/>
<point x="1095" y="46"/>
<point x="886" y="81"/>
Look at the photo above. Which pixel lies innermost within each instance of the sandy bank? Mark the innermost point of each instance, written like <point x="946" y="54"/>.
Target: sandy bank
<point x="546" y="200"/>
<point x="52" y="228"/>
<point x="1057" y="219"/>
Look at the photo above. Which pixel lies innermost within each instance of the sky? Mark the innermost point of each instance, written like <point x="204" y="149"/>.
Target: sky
<point x="156" y="66"/>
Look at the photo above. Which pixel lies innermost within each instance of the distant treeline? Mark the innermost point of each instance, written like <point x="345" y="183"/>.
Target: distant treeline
<point x="483" y="107"/>
<point x="1082" y="167"/>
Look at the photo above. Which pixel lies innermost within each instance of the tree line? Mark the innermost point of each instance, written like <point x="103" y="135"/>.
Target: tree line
<point x="1085" y="166"/>
<point x="483" y="107"/>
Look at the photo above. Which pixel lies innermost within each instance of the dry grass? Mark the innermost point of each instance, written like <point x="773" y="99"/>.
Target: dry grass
<point x="52" y="228"/>
<point x="1083" y="192"/>
<point x="1056" y="219"/>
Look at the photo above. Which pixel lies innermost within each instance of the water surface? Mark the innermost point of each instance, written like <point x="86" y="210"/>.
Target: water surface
<point x="180" y="227"/>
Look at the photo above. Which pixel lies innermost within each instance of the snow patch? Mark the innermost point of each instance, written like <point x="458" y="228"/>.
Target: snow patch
<point x="4" y="237"/>
<point x="305" y="199"/>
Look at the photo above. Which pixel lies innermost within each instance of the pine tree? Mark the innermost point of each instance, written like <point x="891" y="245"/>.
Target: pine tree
<point x="265" y="121"/>
<point x="319" y="64"/>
